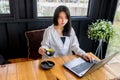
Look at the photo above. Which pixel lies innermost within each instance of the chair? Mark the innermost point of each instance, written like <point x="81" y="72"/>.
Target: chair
<point x="34" y="39"/>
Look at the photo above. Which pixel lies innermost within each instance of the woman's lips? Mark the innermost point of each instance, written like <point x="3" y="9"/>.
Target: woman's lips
<point x="62" y="23"/>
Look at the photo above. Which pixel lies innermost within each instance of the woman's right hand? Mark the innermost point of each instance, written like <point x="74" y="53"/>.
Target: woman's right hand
<point x="42" y="51"/>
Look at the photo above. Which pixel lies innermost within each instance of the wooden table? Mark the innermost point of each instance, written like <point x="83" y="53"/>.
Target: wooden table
<point x="30" y="70"/>
<point x="114" y="66"/>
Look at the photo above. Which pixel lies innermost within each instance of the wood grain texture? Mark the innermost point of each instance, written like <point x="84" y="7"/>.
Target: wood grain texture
<point x="31" y="70"/>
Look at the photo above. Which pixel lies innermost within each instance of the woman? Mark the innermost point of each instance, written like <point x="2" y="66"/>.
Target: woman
<point x="61" y="37"/>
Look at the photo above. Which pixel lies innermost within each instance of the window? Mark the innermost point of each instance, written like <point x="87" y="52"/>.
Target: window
<point x="76" y="7"/>
<point x="7" y="9"/>
<point x="114" y="43"/>
<point x="4" y="7"/>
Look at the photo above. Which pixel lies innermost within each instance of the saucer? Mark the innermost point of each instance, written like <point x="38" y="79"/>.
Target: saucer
<point x="47" y="65"/>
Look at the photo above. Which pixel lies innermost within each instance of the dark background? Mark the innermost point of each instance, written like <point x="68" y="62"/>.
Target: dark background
<point x="23" y="18"/>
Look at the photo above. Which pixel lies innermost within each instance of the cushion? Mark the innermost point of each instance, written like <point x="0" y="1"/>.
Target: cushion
<point x="34" y="39"/>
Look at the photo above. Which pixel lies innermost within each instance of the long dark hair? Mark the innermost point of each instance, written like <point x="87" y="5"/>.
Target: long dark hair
<point x="67" y="27"/>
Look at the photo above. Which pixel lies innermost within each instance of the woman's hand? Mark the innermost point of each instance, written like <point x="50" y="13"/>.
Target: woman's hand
<point x="87" y="57"/>
<point x="42" y="51"/>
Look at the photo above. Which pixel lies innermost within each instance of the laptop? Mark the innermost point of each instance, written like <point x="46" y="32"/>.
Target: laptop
<point x="80" y="67"/>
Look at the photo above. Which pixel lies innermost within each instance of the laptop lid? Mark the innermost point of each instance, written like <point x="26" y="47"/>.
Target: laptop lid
<point x="80" y="67"/>
<point x="101" y="63"/>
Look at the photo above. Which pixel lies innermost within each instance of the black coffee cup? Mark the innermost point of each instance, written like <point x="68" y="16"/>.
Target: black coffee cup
<point x="50" y="51"/>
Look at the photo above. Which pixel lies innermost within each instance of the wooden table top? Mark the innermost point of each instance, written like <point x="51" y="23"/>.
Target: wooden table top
<point x="31" y="70"/>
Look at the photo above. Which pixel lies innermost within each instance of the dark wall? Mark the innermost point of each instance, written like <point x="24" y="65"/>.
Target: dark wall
<point x="12" y="31"/>
<point x="13" y="41"/>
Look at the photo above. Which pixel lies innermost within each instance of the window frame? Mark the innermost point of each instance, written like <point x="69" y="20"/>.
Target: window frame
<point x="49" y="17"/>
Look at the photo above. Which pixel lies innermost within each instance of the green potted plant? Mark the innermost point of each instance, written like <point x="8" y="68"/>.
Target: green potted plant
<point x="101" y="30"/>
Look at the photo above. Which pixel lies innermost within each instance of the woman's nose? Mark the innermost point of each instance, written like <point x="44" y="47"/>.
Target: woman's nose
<point x="63" y="20"/>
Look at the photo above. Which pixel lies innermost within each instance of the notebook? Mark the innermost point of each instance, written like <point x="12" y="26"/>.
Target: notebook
<point x="80" y="67"/>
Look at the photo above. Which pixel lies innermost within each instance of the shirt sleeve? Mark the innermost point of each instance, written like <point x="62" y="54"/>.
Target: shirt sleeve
<point x="46" y="38"/>
<point x="75" y="44"/>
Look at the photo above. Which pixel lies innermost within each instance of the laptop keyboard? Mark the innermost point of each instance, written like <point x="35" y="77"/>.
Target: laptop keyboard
<point x="81" y="67"/>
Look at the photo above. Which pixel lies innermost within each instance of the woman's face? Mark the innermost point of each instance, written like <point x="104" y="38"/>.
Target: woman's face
<point x="62" y="19"/>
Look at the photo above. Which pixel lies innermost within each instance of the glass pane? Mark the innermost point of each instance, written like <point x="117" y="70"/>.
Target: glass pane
<point x="4" y="7"/>
<point x="114" y="43"/>
<point x="47" y="7"/>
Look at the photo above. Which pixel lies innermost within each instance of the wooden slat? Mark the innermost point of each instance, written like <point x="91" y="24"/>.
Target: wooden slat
<point x="30" y="71"/>
<point x="3" y="72"/>
<point x="21" y="71"/>
<point x="57" y="69"/>
<point x="12" y="72"/>
<point x="39" y="72"/>
<point x="25" y="71"/>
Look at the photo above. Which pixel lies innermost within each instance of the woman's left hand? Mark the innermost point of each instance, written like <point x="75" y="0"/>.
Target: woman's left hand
<point x="87" y="57"/>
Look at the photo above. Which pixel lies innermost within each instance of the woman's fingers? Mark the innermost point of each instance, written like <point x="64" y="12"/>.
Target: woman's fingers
<point x="87" y="57"/>
<point x="42" y="51"/>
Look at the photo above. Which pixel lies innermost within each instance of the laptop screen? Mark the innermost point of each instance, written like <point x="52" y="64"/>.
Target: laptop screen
<point x="80" y="67"/>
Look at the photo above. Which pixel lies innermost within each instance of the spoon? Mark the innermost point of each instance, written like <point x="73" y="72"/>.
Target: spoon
<point x="47" y="62"/>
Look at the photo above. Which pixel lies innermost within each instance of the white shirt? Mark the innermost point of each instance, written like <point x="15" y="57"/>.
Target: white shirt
<point x="51" y="39"/>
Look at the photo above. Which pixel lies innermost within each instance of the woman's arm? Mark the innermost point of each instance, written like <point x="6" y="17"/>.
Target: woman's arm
<point x="45" y="42"/>
<point x="75" y="44"/>
<point x="75" y="47"/>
